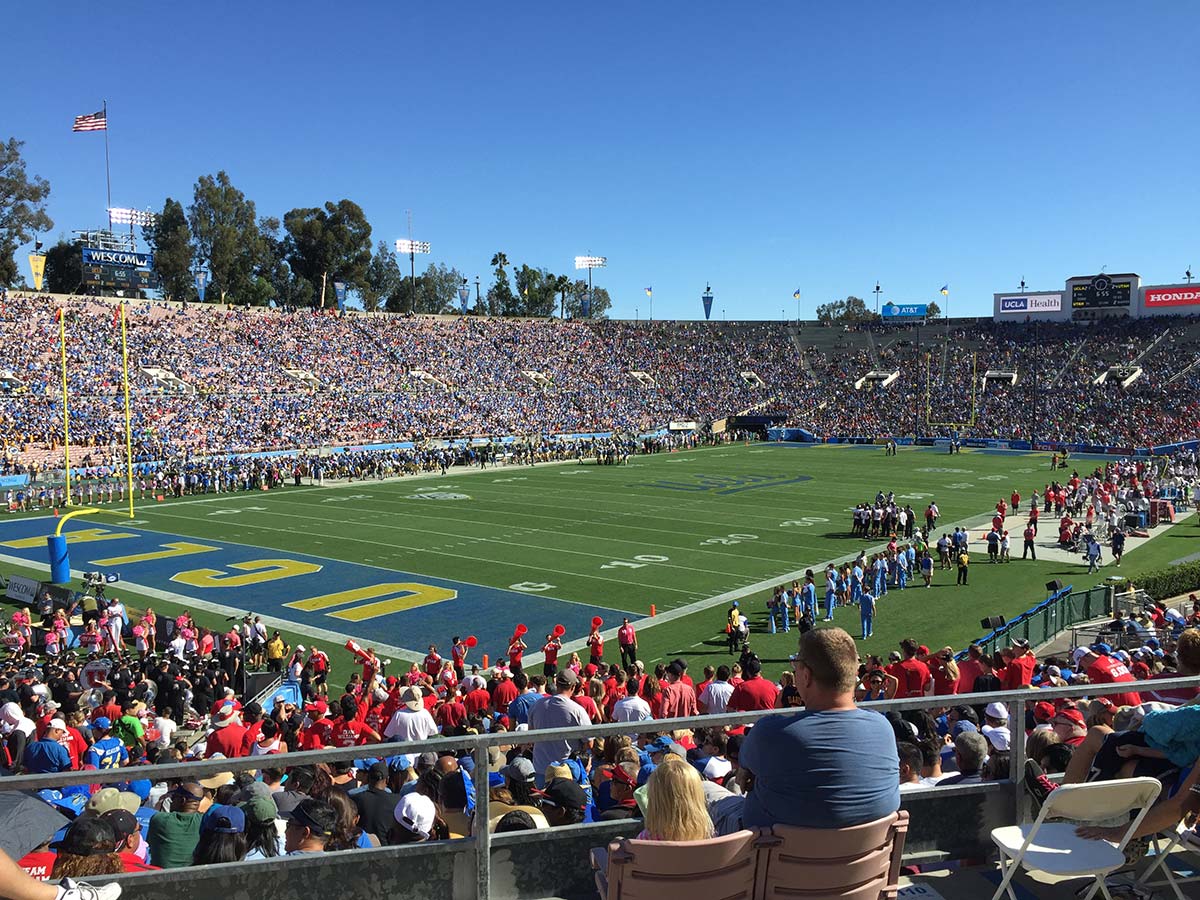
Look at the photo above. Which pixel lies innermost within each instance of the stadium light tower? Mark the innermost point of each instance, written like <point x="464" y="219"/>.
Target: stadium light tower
<point x="878" y="290"/>
<point x="412" y="248"/>
<point x="589" y="263"/>
<point x="1188" y="274"/>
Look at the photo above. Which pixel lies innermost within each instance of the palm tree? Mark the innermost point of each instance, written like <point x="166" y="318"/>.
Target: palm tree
<point x="562" y="284"/>
<point x="499" y="260"/>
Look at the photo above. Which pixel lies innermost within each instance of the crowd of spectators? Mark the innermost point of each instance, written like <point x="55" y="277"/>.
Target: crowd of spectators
<point x="246" y="380"/>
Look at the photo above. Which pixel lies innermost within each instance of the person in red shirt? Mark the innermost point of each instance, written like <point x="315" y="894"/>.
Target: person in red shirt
<point x="1019" y="663"/>
<point x="679" y="700"/>
<point x="1070" y="727"/>
<point x="627" y="641"/>
<point x="504" y="693"/>
<point x="585" y="700"/>
<point x="944" y="670"/>
<point x="252" y="718"/>
<point x="458" y="655"/>
<point x="348" y="731"/>
<point x="110" y="709"/>
<point x="754" y="692"/>
<point x="452" y="714"/>
<point x="1101" y="668"/>
<point x="516" y="650"/>
<point x="478" y="700"/>
<point x="318" y="665"/>
<point x="913" y="675"/>
<point x="596" y="647"/>
<point x="550" y="653"/>
<point x="433" y="662"/>
<point x="229" y="697"/>
<point x="969" y="669"/>
<point x="227" y="734"/>
<point x="1015" y="499"/>
<point x="316" y="734"/>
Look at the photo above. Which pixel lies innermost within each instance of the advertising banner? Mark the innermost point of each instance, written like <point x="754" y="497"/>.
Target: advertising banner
<point x="37" y="265"/>
<point x="1023" y="303"/>
<point x="21" y="589"/>
<point x="905" y="310"/>
<point x="125" y="258"/>
<point x="1173" y="296"/>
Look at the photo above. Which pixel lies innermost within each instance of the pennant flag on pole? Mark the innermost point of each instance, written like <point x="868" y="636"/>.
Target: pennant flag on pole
<point x="649" y="292"/>
<point x="37" y="265"/>
<point x="796" y="294"/>
<point x="97" y="121"/>
<point x="945" y="292"/>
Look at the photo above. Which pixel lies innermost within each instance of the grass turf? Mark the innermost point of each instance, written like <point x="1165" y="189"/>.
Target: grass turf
<point x="670" y="529"/>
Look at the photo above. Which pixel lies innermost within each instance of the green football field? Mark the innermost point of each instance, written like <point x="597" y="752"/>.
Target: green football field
<point x="683" y="532"/>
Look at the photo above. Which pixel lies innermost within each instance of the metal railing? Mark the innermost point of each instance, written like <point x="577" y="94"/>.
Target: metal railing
<point x="1043" y="622"/>
<point x="1009" y="794"/>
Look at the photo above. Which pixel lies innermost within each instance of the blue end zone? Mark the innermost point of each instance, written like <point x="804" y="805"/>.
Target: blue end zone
<point x="400" y="609"/>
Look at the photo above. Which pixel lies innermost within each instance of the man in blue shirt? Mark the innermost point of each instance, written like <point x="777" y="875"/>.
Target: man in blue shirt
<point x="831" y="766"/>
<point x="107" y="752"/>
<point x="48" y="754"/>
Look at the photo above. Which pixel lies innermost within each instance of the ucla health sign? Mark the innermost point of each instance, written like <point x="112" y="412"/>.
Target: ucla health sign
<point x="127" y="258"/>
<point x="1025" y="303"/>
<point x="905" y="310"/>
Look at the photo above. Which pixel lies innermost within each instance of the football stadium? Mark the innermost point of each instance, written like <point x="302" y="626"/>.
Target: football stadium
<point x="331" y="569"/>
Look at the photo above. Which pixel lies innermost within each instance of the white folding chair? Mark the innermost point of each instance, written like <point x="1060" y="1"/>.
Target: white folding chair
<point x="1182" y="839"/>
<point x="1054" y="848"/>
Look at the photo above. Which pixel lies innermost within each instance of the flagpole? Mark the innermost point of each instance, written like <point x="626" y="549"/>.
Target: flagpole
<point x="62" y="342"/>
<point x="107" y="171"/>
<point x="128" y="426"/>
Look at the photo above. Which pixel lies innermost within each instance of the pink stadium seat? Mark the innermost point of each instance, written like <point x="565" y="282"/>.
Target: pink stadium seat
<point x="858" y="863"/>
<point x="723" y="868"/>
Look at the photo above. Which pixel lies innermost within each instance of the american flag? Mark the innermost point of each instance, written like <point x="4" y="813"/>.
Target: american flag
<point x="97" y="121"/>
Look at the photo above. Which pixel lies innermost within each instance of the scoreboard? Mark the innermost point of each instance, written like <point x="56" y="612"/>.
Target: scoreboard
<point x="117" y="278"/>
<point x="1103" y="292"/>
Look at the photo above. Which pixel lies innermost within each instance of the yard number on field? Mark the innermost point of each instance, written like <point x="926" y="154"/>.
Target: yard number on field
<point x="638" y="562"/>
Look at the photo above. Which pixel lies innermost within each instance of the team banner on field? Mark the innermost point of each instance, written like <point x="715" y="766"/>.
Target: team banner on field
<point x="37" y="265"/>
<point x="707" y="301"/>
<point x="339" y="289"/>
<point x="201" y="284"/>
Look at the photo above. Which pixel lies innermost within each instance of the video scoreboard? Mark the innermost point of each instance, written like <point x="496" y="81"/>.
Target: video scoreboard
<point x="1103" y="292"/>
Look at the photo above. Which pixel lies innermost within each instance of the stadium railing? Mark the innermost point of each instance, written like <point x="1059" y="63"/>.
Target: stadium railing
<point x="952" y="822"/>
<point x="1044" y="621"/>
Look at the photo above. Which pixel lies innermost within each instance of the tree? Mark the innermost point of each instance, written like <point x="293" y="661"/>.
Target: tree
<point x="383" y="279"/>
<point x="22" y="208"/>
<point x="500" y="298"/>
<point x="850" y="311"/>
<point x="535" y="291"/>
<point x="437" y="289"/>
<point x="226" y="236"/>
<point x="600" y="301"/>
<point x="64" y="269"/>
<point x="562" y="287"/>
<point x="170" y="241"/>
<point x="934" y="311"/>
<point x="329" y="244"/>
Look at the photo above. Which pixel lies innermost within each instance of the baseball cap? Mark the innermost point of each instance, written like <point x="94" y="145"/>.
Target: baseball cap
<point x="316" y="816"/>
<point x="1106" y="703"/>
<point x="260" y="809"/>
<point x="999" y="738"/>
<point x="253" y="791"/>
<point x="962" y="726"/>
<point x="1102" y="648"/>
<point x="57" y="723"/>
<point x="996" y="710"/>
<point x="619" y="774"/>
<point x="1072" y="714"/>
<point x="317" y="706"/>
<point x="88" y="836"/>
<point x="557" y="770"/>
<point x="108" y="799"/>
<point x="427" y="760"/>
<point x="564" y="793"/>
<point x="566" y="678"/>
<point x="400" y="763"/>
<point x="1079" y="653"/>
<point x="415" y="812"/>
<point x="1054" y="671"/>
<point x="224" y="819"/>
<point x="102" y="723"/>
<point x="124" y="824"/>
<point x="520" y="769"/>
<point x="412" y="698"/>
<point x="664" y="744"/>
<point x="1043" y="711"/>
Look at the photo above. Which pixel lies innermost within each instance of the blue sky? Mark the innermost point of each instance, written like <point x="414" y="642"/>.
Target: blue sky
<point x="762" y="148"/>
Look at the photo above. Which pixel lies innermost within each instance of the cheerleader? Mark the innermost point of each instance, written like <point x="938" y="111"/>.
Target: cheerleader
<point x="90" y="639"/>
<point x="22" y="622"/>
<point x="139" y="639"/>
<point x="14" y="641"/>
<point x="448" y="677"/>
<point x="52" y="641"/>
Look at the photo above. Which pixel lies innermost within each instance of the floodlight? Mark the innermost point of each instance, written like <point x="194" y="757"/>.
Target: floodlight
<point x="122" y="216"/>
<point x="591" y="262"/>
<point x="405" y="245"/>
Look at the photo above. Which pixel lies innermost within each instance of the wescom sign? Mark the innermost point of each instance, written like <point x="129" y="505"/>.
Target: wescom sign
<point x="1173" y="296"/>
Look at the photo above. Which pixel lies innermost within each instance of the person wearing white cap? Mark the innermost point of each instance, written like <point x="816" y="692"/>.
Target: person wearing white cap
<point x="16" y="729"/>
<point x="416" y="820"/>
<point x="996" y="728"/>
<point x="412" y="721"/>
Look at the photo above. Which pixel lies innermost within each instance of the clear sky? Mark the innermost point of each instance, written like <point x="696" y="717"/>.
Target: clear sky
<point x="760" y="147"/>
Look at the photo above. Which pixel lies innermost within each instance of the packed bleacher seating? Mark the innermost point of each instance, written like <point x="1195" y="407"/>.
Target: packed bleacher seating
<point x="391" y="378"/>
